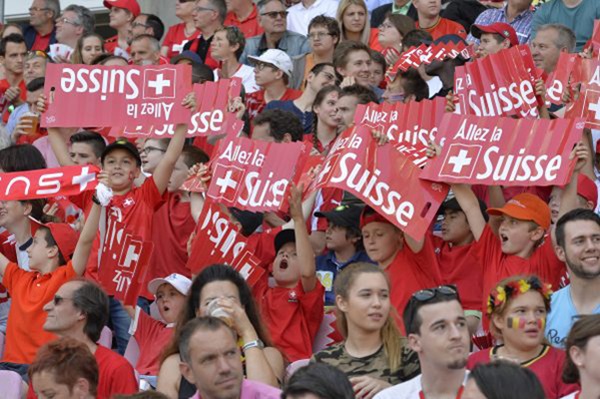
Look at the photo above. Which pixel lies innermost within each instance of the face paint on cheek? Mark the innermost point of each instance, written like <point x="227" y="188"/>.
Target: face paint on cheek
<point x="541" y="323"/>
<point x="516" y="323"/>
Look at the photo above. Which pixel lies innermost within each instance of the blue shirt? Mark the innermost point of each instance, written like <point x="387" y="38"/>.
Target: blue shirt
<point x="306" y="118"/>
<point x="521" y="23"/>
<point x="561" y="317"/>
<point x="328" y="267"/>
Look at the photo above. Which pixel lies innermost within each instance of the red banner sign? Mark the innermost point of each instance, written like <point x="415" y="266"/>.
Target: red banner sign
<point x="504" y="151"/>
<point x="96" y="95"/>
<point x="218" y="241"/>
<point x="588" y="104"/>
<point x="501" y="84"/>
<point x="211" y="118"/>
<point x="415" y="56"/>
<point x="254" y="175"/>
<point x="410" y="126"/>
<point x="383" y="178"/>
<point x="124" y="261"/>
<point x="44" y="183"/>
<point x="558" y="81"/>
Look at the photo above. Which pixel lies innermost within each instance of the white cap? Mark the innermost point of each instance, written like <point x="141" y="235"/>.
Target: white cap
<point x="179" y="282"/>
<point x="277" y="58"/>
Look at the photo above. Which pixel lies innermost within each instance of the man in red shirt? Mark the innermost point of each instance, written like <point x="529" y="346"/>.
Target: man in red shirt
<point x="209" y="16"/>
<point x="244" y="15"/>
<point x="122" y="13"/>
<point x="431" y="21"/>
<point x="41" y="31"/>
<point x="272" y="72"/>
<point x="79" y="310"/>
<point x="12" y="88"/>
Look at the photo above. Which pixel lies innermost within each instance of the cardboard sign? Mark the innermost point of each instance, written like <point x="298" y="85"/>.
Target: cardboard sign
<point x="123" y="262"/>
<point x="501" y="84"/>
<point x="218" y="241"/>
<point x="595" y="40"/>
<point x="558" y="81"/>
<point x="96" y="95"/>
<point x="588" y="104"/>
<point x="211" y="118"/>
<point x="410" y="126"/>
<point x="504" y="151"/>
<point x="384" y="179"/>
<point x="254" y="175"/>
<point x="44" y="183"/>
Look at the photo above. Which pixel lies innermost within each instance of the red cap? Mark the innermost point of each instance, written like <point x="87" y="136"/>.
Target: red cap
<point x="369" y="215"/>
<point x="65" y="237"/>
<point x="500" y="28"/>
<point x="525" y="206"/>
<point x="131" y="5"/>
<point x="587" y="188"/>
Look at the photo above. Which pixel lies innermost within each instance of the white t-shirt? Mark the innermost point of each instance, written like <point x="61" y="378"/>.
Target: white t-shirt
<point x="246" y="74"/>
<point x="571" y="396"/>
<point x="407" y="390"/>
<point x="299" y="16"/>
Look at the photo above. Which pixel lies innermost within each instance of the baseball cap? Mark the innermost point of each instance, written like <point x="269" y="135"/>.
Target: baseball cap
<point x="587" y="188"/>
<point x="131" y="5"/>
<point x="283" y="237"/>
<point x="277" y="58"/>
<point x="187" y="55"/>
<point x="63" y="234"/>
<point x="525" y="206"/>
<point x="125" y="145"/>
<point x="249" y="220"/>
<point x="179" y="282"/>
<point x="369" y="215"/>
<point x="500" y="28"/>
<point x="343" y="216"/>
<point x="453" y="205"/>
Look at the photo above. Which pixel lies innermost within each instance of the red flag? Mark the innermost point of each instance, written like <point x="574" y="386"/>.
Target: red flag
<point x="383" y="178"/>
<point x="588" y="104"/>
<point x="557" y="82"/>
<point x="96" y="95"/>
<point x="218" y="241"/>
<point x="124" y="262"/>
<point x="504" y="151"/>
<point x="254" y="175"/>
<point x="44" y="183"/>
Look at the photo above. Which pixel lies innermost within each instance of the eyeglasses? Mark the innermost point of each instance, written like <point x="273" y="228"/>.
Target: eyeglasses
<point x="318" y="35"/>
<point x="37" y="9"/>
<point x="385" y="26"/>
<point x="200" y="9"/>
<point x="137" y="24"/>
<point x="150" y="149"/>
<point x="261" y="65"/>
<point x="185" y="1"/>
<point x="67" y="21"/>
<point x="59" y="299"/>
<point x="275" y="14"/>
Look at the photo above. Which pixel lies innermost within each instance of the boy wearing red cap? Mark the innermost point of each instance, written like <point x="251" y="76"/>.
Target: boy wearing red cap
<point x="56" y="256"/>
<point x="122" y="13"/>
<point x="587" y="196"/>
<point x="410" y="264"/>
<point x="494" y="38"/>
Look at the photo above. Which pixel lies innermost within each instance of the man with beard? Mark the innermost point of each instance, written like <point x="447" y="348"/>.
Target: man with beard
<point x="437" y="331"/>
<point x="578" y="245"/>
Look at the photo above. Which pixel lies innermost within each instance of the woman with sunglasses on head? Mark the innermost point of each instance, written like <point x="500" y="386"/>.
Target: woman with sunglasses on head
<point x="517" y="310"/>
<point x="88" y="47"/>
<point x="221" y="291"/>
<point x="583" y="358"/>
<point x="179" y="34"/>
<point x="373" y="354"/>
<point x="353" y="17"/>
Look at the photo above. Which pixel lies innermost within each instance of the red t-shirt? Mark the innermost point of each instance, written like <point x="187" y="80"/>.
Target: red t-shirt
<point x="292" y="316"/>
<point x="41" y="42"/>
<point x="111" y="44"/>
<point x="176" y="39"/>
<point x="8" y="249"/>
<point x="255" y="102"/>
<point x="460" y="266"/>
<point x="543" y="263"/>
<point x="249" y="26"/>
<point x="547" y="366"/>
<point x="173" y="223"/>
<point x="263" y="247"/>
<point x="445" y="27"/>
<point x="4" y="85"/>
<point x="410" y="272"/>
<point x="152" y="337"/>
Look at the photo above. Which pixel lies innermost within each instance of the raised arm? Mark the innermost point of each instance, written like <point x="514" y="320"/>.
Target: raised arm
<point x="468" y="203"/>
<point x="84" y="244"/>
<point x="306" y="255"/>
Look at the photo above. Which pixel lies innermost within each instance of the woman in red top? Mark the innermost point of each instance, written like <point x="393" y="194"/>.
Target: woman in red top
<point x="353" y="17"/>
<point x="325" y="120"/>
<point x="517" y="308"/>
<point x="583" y="357"/>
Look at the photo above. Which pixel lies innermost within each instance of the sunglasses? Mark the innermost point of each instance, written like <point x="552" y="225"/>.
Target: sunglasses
<point x="275" y="14"/>
<point x="423" y="296"/>
<point x="59" y="299"/>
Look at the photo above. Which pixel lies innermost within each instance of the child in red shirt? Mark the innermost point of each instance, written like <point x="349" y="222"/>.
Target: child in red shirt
<point x="293" y="308"/>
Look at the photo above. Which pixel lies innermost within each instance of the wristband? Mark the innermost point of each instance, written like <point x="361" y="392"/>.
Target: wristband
<point x="96" y="200"/>
<point x="257" y="343"/>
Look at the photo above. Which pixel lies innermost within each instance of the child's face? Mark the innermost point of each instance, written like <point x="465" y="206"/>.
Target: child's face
<point x="382" y="241"/>
<point x="170" y="302"/>
<point x="455" y="228"/>
<point x="122" y="169"/>
<point x="11" y="213"/>
<point x="178" y="176"/>
<point x="83" y="154"/>
<point x="335" y="238"/>
<point x="523" y="321"/>
<point x="39" y="252"/>
<point x="518" y="237"/>
<point x="286" y="268"/>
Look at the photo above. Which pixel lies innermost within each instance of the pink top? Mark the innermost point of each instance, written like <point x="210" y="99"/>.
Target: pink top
<point x="254" y="390"/>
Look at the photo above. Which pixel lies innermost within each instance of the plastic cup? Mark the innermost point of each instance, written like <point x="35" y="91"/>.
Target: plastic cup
<point x="33" y="119"/>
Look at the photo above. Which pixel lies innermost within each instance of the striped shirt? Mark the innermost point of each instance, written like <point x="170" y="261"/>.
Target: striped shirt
<point x="521" y="24"/>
